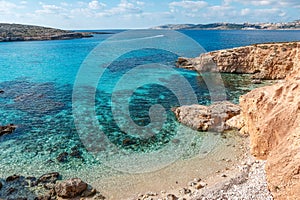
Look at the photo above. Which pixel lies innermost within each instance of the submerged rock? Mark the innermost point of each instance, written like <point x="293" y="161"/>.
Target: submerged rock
<point x="70" y="188"/>
<point x="62" y="157"/>
<point x="76" y="153"/>
<point x="12" y="178"/>
<point x="8" y="129"/>
<point x="48" y="178"/>
<point x="204" y="118"/>
<point x="34" y="98"/>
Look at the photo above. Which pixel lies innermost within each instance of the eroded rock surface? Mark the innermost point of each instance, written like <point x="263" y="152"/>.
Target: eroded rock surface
<point x="70" y="188"/>
<point x="272" y="119"/>
<point x="204" y="118"/>
<point x="264" y="61"/>
<point x="271" y="114"/>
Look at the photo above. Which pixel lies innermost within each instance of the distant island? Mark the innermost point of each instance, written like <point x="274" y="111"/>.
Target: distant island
<point x="295" y="25"/>
<point x="19" y="32"/>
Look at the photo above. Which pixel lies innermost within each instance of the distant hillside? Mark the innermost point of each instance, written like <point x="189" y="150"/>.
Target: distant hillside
<point x="18" y="32"/>
<point x="295" y="25"/>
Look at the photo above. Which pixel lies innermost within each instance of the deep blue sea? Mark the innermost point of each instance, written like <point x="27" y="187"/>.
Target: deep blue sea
<point x="121" y="126"/>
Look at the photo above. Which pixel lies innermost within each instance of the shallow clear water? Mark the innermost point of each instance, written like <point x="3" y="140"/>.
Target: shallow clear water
<point x="38" y="79"/>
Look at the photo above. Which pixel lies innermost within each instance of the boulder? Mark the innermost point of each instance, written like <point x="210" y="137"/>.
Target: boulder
<point x="236" y="122"/>
<point x="70" y="188"/>
<point x="204" y="118"/>
<point x="48" y="178"/>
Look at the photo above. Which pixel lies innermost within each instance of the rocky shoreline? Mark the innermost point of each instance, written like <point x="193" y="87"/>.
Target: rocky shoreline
<point x="270" y="114"/>
<point x="245" y="181"/>
<point x="295" y="25"/>
<point x="268" y="61"/>
<point x="49" y="186"/>
<point x="18" y="32"/>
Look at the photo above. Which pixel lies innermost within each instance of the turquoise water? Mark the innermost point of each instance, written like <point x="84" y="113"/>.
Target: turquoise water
<point x="38" y="80"/>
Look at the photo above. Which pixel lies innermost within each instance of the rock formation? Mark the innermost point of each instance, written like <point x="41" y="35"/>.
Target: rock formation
<point x="48" y="186"/>
<point x="204" y="118"/>
<point x="18" y="32"/>
<point x="70" y="188"/>
<point x="271" y="114"/>
<point x="272" y="119"/>
<point x="264" y="61"/>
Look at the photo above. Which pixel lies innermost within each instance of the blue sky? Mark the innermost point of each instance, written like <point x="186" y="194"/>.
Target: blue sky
<point x="108" y="14"/>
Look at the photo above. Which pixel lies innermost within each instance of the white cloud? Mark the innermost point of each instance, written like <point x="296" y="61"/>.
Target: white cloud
<point x="220" y="13"/>
<point x="137" y="13"/>
<point x="273" y="3"/>
<point x="23" y="2"/>
<point x="245" y="11"/>
<point x="219" y="8"/>
<point x="191" y="5"/>
<point x="86" y="9"/>
<point x="50" y="9"/>
<point x="6" y="7"/>
<point x="95" y="5"/>
<point x="282" y="14"/>
<point x="263" y="15"/>
<point x="65" y="4"/>
<point x="124" y="7"/>
<point x="266" y="11"/>
<point x="259" y="2"/>
<point x="140" y="3"/>
<point x="289" y="3"/>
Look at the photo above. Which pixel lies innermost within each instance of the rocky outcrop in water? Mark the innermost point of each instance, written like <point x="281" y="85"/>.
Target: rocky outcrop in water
<point x="264" y="61"/>
<point x="204" y="118"/>
<point x="8" y="129"/>
<point x="48" y="186"/>
<point x="18" y="32"/>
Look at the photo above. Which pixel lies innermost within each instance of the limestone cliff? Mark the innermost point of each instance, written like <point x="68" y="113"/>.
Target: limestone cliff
<point x="264" y="61"/>
<point x="271" y="114"/>
<point x="272" y="118"/>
